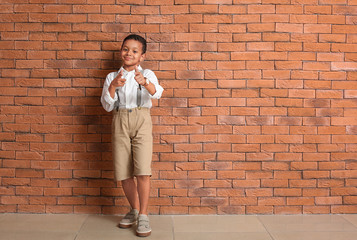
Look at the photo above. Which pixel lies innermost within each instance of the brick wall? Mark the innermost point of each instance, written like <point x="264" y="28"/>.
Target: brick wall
<point x="258" y="114"/>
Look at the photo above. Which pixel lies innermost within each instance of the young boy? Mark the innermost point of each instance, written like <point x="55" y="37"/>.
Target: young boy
<point x="128" y="94"/>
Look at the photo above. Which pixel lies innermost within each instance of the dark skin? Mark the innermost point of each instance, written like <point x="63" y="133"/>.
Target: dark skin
<point x="131" y="53"/>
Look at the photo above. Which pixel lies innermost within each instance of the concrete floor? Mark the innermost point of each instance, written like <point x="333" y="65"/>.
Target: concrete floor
<point x="180" y="227"/>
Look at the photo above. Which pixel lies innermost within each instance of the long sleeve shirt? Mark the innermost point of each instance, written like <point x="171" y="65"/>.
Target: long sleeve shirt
<point x="128" y="92"/>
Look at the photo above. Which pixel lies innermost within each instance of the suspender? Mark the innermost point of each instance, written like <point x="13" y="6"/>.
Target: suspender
<point x="138" y="97"/>
<point x="116" y="104"/>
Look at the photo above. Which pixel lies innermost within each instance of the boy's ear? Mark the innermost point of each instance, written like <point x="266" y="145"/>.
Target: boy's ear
<point x="142" y="57"/>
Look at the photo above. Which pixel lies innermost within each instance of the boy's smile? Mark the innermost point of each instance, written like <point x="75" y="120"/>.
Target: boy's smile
<point x="131" y="54"/>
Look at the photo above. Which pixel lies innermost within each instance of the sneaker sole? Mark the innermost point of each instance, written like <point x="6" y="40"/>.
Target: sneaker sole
<point x="143" y="234"/>
<point x="125" y="225"/>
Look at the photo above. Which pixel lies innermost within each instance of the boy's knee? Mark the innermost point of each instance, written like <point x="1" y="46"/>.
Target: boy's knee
<point x="143" y="177"/>
<point x="128" y="180"/>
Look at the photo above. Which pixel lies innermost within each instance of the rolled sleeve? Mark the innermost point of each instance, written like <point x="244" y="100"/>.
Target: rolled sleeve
<point x="106" y="100"/>
<point x="158" y="92"/>
<point x="109" y="99"/>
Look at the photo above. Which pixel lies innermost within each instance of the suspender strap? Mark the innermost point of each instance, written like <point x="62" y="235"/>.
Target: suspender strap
<point x="138" y="96"/>
<point x="116" y="104"/>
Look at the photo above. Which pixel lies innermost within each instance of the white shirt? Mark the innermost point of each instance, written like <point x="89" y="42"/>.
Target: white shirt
<point x="128" y="92"/>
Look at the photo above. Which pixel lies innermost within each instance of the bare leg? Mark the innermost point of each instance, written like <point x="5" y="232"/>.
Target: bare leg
<point x="130" y="191"/>
<point x="144" y="193"/>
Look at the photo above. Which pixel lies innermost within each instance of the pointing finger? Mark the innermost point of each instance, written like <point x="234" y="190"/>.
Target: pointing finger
<point x="120" y="73"/>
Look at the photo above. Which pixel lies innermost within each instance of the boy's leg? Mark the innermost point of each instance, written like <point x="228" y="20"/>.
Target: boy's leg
<point x="142" y="148"/>
<point x="143" y="228"/>
<point x="143" y="192"/>
<point x="131" y="193"/>
<point x="142" y="145"/>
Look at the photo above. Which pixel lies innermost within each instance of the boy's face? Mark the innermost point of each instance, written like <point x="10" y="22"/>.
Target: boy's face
<point x="131" y="54"/>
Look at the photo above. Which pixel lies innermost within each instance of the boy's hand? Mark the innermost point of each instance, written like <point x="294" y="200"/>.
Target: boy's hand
<point x="118" y="80"/>
<point x="139" y="77"/>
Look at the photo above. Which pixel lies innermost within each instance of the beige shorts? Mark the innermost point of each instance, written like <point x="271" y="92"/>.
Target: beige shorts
<point x="132" y="142"/>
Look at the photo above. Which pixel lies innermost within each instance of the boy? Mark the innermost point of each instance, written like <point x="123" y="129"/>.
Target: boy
<point x="128" y="94"/>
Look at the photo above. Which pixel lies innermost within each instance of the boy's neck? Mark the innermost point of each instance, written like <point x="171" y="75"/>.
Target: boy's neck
<point x="129" y="68"/>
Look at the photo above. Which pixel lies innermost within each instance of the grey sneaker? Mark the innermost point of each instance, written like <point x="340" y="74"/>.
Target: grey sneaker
<point x="143" y="229"/>
<point x="129" y="219"/>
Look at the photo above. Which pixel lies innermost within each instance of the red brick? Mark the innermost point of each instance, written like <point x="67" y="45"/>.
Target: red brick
<point x="275" y="201"/>
<point x="304" y="37"/>
<point x="259" y="210"/>
<point x="203" y="138"/>
<point x="201" y="174"/>
<point x="221" y="18"/>
<point x="261" y="9"/>
<point x="203" y="8"/>
<point x="343" y="209"/>
<point x="317" y="28"/>
<point x="288" y="27"/>
<point x="202" y="210"/>
<point x="207" y="27"/>
<point x="289" y="9"/>
<point x="344" y="9"/>
<point x="196" y="46"/>
<point x="9" y="200"/>
<point x="174" y="9"/>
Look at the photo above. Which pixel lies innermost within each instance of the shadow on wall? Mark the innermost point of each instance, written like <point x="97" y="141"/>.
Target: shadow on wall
<point x="94" y="171"/>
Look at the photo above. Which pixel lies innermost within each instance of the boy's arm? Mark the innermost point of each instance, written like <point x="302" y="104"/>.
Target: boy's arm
<point x="150" y="87"/>
<point x="143" y="81"/>
<point x="106" y="99"/>
<point x="153" y="87"/>
<point x="118" y="81"/>
<point x="108" y="95"/>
